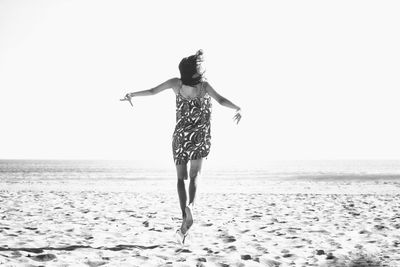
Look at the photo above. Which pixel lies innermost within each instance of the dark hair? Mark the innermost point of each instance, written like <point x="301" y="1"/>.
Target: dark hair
<point x="189" y="67"/>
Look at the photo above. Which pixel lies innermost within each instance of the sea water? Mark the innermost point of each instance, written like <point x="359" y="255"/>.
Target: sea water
<point x="91" y="170"/>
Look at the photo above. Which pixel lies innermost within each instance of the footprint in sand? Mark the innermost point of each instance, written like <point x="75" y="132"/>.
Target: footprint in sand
<point x="208" y="250"/>
<point x="269" y="262"/>
<point x="16" y="254"/>
<point x="232" y="248"/>
<point x="95" y="263"/>
<point x="228" y="238"/>
<point x="245" y="257"/>
<point x="43" y="257"/>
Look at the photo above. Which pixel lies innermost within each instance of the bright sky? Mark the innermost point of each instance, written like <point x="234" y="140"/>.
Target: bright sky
<point x="315" y="79"/>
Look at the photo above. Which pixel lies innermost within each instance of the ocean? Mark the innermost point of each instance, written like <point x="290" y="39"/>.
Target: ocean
<point x="94" y="170"/>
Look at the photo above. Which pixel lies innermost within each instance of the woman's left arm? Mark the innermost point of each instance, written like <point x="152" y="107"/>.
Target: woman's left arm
<point x="224" y="101"/>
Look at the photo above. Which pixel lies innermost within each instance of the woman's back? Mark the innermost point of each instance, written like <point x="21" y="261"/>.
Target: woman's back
<point x="190" y="92"/>
<point x="191" y="138"/>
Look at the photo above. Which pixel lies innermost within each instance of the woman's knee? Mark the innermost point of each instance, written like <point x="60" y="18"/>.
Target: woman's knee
<point x="194" y="174"/>
<point x="181" y="181"/>
<point x="195" y="169"/>
<point x="182" y="172"/>
<point x="182" y="177"/>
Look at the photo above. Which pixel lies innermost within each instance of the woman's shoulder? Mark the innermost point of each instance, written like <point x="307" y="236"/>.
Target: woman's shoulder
<point x="205" y="85"/>
<point x="175" y="84"/>
<point x="175" y="81"/>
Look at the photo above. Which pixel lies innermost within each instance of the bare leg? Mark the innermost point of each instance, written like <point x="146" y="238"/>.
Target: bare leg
<point x="195" y="169"/>
<point x="182" y="175"/>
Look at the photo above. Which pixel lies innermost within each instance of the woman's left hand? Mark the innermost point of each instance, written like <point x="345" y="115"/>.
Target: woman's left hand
<point x="237" y="116"/>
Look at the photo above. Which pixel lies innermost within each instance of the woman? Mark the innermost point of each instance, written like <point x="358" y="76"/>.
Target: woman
<point x="191" y="138"/>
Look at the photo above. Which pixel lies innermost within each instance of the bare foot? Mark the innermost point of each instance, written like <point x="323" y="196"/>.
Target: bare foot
<point x="181" y="236"/>
<point x="189" y="216"/>
<point x="184" y="227"/>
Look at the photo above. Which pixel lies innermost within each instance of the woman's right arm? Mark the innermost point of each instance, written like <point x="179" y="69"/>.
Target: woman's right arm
<point x="171" y="83"/>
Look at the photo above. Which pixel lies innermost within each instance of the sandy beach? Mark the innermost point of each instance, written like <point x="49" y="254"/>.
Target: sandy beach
<point x="247" y="223"/>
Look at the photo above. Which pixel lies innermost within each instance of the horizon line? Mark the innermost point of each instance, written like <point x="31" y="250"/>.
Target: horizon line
<point x="233" y="161"/>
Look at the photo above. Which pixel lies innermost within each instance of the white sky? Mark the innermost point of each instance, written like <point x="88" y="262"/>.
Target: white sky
<point x="315" y="79"/>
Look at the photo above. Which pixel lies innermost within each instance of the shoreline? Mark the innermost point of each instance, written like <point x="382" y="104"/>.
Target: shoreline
<point x="213" y="185"/>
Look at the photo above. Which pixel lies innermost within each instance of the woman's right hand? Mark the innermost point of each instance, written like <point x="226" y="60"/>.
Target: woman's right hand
<point x="127" y="97"/>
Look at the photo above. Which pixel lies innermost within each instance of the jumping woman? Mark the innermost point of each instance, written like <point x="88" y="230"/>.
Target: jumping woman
<point x="191" y="139"/>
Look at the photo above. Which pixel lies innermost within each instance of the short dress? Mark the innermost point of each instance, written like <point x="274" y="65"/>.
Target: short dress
<point x="192" y="135"/>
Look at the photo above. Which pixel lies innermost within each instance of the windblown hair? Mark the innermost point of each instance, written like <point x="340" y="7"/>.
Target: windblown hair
<point x="189" y="67"/>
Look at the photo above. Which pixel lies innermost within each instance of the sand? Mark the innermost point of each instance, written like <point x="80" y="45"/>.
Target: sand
<point x="236" y="223"/>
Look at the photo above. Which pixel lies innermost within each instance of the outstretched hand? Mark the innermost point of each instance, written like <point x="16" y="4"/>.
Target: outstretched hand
<point x="237" y="117"/>
<point x="127" y="98"/>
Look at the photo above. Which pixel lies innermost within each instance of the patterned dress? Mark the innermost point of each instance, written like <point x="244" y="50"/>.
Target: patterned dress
<point x="192" y="139"/>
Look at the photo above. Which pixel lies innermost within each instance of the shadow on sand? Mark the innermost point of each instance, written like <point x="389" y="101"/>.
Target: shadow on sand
<point x="70" y="248"/>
